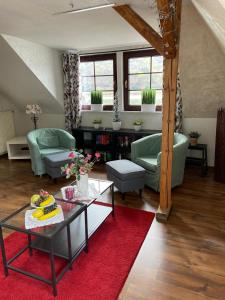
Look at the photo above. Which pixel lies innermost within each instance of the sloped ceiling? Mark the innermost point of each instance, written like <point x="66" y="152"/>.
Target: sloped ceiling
<point x="19" y="83"/>
<point x="34" y="20"/>
<point x="213" y="12"/>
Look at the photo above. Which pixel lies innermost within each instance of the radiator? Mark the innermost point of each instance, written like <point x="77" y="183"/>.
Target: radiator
<point x="7" y="129"/>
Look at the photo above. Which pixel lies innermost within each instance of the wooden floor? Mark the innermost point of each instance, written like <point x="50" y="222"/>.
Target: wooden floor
<point x="183" y="259"/>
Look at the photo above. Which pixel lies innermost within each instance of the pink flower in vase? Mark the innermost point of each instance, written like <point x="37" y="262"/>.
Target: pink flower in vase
<point x="67" y="171"/>
<point x="72" y="155"/>
<point x="89" y="156"/>
<point x="97" y="155"/>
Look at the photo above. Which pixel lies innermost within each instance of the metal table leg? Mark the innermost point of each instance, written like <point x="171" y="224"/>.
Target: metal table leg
<point x="29" y="244"/>
<point x="69" y="246"/>
<point x="86" y="229"/>
<point x="52" y="261"/>
<point x="113" y="200"/>
<point x="6" y="271"/>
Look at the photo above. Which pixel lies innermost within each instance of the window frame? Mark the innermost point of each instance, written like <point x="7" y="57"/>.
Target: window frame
<point x="126" y="56"/>
<point x="99" y="57"/>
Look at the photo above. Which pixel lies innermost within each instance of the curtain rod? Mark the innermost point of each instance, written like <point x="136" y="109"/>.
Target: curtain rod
<point x="115" y="51"/>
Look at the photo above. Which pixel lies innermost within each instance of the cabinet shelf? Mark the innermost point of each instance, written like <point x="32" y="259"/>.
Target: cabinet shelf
<point x="112" y="149"/>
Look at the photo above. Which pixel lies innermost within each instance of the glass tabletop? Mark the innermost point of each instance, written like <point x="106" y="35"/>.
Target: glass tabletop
<point x="16" y="220"/>
<point x="96" y="187"/>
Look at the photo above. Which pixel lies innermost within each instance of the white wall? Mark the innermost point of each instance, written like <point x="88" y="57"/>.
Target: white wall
<point x="44" y="62"/>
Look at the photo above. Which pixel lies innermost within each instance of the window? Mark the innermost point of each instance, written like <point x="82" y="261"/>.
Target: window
<point x="98" y="72"/>
<point x="142" y="69"/>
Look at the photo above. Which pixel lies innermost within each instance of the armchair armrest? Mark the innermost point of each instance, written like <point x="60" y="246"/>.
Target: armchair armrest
<point x="66" y="139"/>
<point x="33" y="146"/>
<point x="149" y="145"/>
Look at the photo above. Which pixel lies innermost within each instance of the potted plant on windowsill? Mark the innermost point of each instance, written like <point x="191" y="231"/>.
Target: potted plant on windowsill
<point x="96" y="100"/>
<point x="148" y="100"/>
<point x="116" y="123"/>
<point x="97" y="123"/>
<point x="194" y="135"/>
<point x="137" y="125"/>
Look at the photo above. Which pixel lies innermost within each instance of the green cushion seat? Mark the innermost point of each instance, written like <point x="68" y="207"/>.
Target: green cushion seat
<point x="148" y="163"/>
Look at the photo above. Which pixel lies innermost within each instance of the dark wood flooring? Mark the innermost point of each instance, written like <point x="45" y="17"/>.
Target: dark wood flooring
<point x="183" y="259"/>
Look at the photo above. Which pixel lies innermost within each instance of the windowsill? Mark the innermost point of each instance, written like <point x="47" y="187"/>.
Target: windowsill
<point x="122" y="111"/>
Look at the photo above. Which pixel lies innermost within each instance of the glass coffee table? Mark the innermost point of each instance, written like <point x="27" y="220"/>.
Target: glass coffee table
<point x="66" y="239"/>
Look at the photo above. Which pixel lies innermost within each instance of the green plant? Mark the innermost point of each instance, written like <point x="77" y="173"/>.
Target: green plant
<point x="138" y="122"/>
<point x="148" y="96"/>
<point x="96" y="97"/>
<point x="97" y="121"/>
<point x="194" y="134"/>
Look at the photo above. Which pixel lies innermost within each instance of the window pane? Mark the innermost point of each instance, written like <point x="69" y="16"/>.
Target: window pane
<point x="135" y="98"/>
<point x="104" y="83"/>
<point x="157" y="64"/>
<point x="158" y="98"/>
<point x="104" y="67"/>
<point x="86" y="98"/>
<point x="87" y="68"/>
<point x="87" y="84"/>
<point x="139" y="65"/>
<point x="157" y="81"/>
<point x="108" y="98"/>
<point x="139" y="82"/>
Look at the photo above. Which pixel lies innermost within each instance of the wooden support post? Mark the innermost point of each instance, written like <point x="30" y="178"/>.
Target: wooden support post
<point x="169" y="109"/>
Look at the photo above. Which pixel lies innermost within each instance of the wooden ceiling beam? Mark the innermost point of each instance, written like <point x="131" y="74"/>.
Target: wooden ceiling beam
<point x="141" y="26"/>
<point x="168" y="28"/>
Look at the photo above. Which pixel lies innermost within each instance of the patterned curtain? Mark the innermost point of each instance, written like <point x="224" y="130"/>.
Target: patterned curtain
<point x="71" y="90"/>
<point x="179" y="108"/>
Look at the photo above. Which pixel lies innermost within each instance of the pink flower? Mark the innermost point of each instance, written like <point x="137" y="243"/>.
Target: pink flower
<point x="67" y="171"/>
<point x="97" y="155"/>
<point x="89" y="156"/>
<point x="72" y="155"/>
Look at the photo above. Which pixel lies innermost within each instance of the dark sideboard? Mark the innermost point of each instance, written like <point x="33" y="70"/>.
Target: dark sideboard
<point x="111" y="144"/>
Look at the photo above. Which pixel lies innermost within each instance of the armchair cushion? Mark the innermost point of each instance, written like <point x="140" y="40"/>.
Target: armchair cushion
<point x="148" y="163"/>
<point x="49" y="141"/>
<point x="48" y="151"/>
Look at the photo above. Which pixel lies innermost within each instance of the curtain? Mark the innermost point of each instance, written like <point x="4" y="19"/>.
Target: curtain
<point x="220" y="147"/>
<point x="179" y="108"/>
<point x="71" y="90"/>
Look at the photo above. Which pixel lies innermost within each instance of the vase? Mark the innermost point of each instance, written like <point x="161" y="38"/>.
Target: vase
<point x="96" y="107"/>
<point x="96" y="125"/>
<point x="148" y="107"/>
<point x="193" y="141"/>
<point x="137" y="127"/>
<point x="82" y="185"/>
<point x="116" y="125"/>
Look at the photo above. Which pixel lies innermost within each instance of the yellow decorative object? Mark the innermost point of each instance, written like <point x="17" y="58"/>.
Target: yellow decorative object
<point x="35" y="198"/>
<point x="48" y="201"/>
<point x="49" y="215"/>
<point x="38" y="213"/>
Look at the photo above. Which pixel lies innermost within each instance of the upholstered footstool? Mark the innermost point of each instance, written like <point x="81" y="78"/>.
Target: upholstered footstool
<point x="54" y="162"/>
<point x="126" y="175"/>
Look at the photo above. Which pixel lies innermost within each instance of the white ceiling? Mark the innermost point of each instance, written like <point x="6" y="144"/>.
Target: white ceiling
<point x="34" y="20"/>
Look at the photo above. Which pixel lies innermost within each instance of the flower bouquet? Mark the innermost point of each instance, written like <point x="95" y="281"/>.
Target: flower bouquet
<point x="80" y="166"/>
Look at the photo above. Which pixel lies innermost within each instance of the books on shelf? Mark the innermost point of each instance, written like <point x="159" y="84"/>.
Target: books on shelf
<point x="102" y="139"/>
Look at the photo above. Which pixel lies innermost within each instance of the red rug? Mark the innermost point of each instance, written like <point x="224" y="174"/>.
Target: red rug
<point x="98" y="275"/>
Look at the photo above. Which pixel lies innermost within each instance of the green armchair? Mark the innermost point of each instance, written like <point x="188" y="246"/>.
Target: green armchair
<point x="45" y="141"/>
<point x="146" y="152"/>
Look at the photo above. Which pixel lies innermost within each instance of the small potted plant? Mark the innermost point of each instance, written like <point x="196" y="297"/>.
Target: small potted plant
<point x="97" y="123"/>
<point x="194" y="135"/>
<point x="148" y="100"/>
<point x="96" y="100"/>
<point x="116" y="123"/>
<point x="137" y="125"/>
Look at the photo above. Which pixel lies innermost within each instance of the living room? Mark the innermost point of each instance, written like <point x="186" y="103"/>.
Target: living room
<point x="92" y="79"/>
